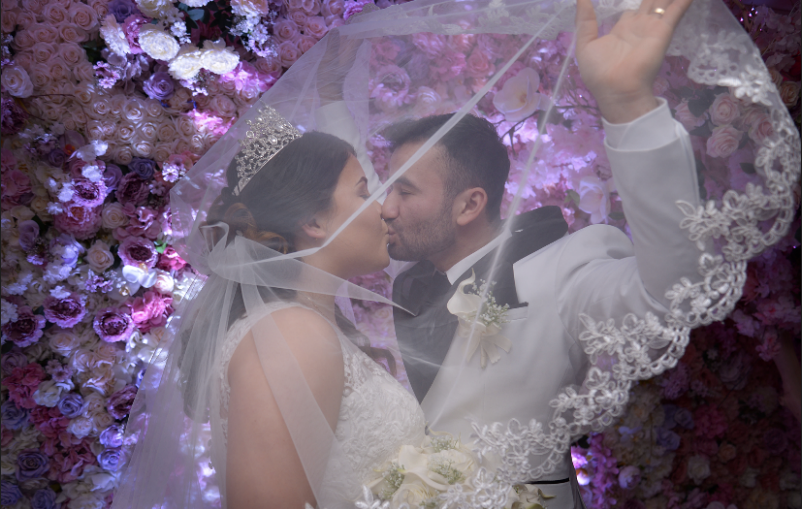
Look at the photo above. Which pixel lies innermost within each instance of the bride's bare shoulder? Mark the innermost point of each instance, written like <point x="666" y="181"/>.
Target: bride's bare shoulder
<point x="296" y="323"/>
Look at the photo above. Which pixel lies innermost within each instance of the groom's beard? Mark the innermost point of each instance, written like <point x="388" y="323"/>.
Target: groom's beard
<point x="419" y="239"/>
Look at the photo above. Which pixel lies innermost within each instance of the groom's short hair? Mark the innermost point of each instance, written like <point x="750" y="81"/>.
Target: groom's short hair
<point x="475" y="156"/>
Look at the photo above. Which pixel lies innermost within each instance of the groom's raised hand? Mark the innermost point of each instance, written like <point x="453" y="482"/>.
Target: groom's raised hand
<point x="619" y="68"/>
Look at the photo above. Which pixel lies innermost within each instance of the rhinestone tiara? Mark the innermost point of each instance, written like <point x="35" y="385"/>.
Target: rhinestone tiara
<point x="268" y="134"/>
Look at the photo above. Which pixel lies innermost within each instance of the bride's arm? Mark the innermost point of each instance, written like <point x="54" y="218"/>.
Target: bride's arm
<point x="263" y="468"/>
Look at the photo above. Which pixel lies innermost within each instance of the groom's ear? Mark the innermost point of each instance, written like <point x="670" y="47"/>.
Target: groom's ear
<point x="469" y="204"/>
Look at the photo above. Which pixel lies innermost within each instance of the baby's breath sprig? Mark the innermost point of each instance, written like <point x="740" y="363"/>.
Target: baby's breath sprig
<point x="490" y="313"/>
<point x="394" y="478"/>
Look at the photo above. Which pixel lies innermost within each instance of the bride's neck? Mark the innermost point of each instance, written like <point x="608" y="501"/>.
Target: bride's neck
<point x="323" y="304"/>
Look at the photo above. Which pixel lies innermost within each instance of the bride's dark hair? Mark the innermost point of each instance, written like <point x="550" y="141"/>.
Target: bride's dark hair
<point x="289" y="189"/>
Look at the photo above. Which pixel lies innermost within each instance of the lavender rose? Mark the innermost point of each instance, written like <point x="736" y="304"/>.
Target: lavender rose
<point x="13" y="359"/>
<point x="111" y="459"/>
<point x="9" y="493"/>
<point x="66" y="312"/>
<point x="13" y="416"/>
<point x="143" y="167"/>
<point x="43" y="499"/>
<point x="119" y="404"/>
<point x="88" y="193"/>
<point x="113" y="324"/>
<point x="71" y="405"/>
<point x="27" y="329"/>
<point x="160" y="86"/>
<point x="132" y="189"/>
<point x="668" y="439"/>
<point x="112" y="176"/>
<point x="112" y="436"/>
<point x="137" y="251"/>
<point x="684" y="418"/>
<point x="28" y="232"/>
<point x="121" y="9"/>
<point x="56" y="158"/>
<point x="31" y="464"/>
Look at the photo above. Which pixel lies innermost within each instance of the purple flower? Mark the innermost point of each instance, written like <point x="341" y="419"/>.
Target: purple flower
<point x="12" y="117"/>
<point x="143" y="167"/>
<point x="28" y="232"/>
<point x="112" y="459"/>
<point x="31" y="464"/>
<point x="66" y="312"/>
<point x="668" y="439"/>
<point x="82" y="222"/>
<point x="9" y="492"/>
<point x="27" y="329"/>
<point x="684" y="418"/>
<point x="88" y="193"/>
<point x="95" y="284"/>
<point x="132" y="189"/>
<point x="13" y="416"/>
<point x="13" y="359"/>
<point x="112" y="436"/>
<point x="160" y="86"/>
<point x="43" y="499"/>
<point x="119" y="404"/>
<point x="71" y="405"/>
<point x="56" y="158"/>
<point x="67" y="247"/>
<point x="112" y="176"/>
<point x="137" y="251"/>
<point x="121" y="9"/>
<point x="113" y="324"/>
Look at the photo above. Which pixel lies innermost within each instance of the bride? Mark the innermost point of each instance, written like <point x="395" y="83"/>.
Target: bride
<point x="264" y="397"/>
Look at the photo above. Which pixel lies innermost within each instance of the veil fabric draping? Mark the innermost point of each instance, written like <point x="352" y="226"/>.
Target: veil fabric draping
<point x="405" y="62"/>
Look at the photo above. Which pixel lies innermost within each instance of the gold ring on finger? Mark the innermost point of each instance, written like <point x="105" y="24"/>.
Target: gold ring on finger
<point x="659" y="11"/>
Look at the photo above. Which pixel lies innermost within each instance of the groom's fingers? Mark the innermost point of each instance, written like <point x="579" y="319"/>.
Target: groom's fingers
<point x="675" y="11"/>
<point x="586" y="27"/>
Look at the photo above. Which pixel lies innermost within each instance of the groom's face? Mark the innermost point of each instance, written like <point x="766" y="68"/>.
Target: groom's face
<point x="418" y="210"/>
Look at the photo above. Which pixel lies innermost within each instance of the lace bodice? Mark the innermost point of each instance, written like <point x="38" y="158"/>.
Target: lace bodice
<point x="377" y="415"/>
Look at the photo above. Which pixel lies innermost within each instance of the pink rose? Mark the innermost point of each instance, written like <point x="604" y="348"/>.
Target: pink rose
<point x="724" y="109"/>
<point x="72" y="33"/>
<point x="223" y="106"/>
<point x="333" y="8"/>
<point x="316" y="27"/>
<point x="724" y="141"/>
<point x="113" y="324"/>
<point x="16" y="189"/>
<point x="120" y="402"/>
<point x="43" y="51"/>
<point x="311" y="7"/>
<point x="82" y="222"/>
<point x="132" y="189"/>
<point x="286" y="30"/>
<point x="136" y="251"/>
<point x="83" y="16"/>
<point x="170" y="260"/>
<point x="390" y="87"/>
<point x="305" y="43"/>
<point x="270" y="65"/>
<point x="478" y="64"/>
<point x="131" y="27"/>
<point x="44" y="33"/>
<point x="299" y="17"/>
<point x="22" y="383"/>
<point x="26" y="329"/>
<point x="686" y="118"/>
<point x="289" y="53"/>
<point x="447" y="65"/>
<point x="66" y="312"/>
<point x="431" y="44"/>
<point x="789" y="92"/>
<point x="761" y="129"/>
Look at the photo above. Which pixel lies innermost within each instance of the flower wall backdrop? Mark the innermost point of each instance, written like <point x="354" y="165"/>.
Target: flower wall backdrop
<point x="105" y="105"/>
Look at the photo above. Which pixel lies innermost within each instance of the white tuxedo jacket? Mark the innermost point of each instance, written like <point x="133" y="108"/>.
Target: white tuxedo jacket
<point x="596" y="272"/>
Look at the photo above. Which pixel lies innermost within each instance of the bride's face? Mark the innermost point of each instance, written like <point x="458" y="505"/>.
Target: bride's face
<point x="361" y="248"/>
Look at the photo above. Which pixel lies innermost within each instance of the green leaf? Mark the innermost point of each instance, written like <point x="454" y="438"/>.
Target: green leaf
<point x="196" y="14"/>
<point x="703" y="130"/>
<point x="616" y="216"/>
<point x="182" y="6"/>
<point x="191" y="24"/>
<point x="748" y="168"/>
<point x="700" y="105"/>
<point x="572" y="196"/>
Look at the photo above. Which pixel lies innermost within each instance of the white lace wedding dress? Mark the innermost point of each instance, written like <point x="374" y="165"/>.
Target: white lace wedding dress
<point x="377" y="416"/>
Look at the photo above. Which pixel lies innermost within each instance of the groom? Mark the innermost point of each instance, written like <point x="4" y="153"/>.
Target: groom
<point x="443" y="213"/>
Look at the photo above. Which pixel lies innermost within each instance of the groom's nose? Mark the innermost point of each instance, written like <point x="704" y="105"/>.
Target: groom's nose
<point x="390" y="207"/>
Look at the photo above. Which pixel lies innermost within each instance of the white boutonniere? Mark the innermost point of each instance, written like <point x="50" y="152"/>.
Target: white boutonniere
<point x="479" y="321"/>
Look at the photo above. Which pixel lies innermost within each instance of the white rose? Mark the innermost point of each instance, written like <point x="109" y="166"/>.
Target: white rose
<point x="166" y="131"/>
<point x="64" y="342"/>
<point x="153" y="108"/>
<point x="100" y="108"/>
<point x="198" y="143"/>
<point x="72" y="33"/>
<point x="16" y="81"/>
<point x="100" y="7"/>
<point x="24" y="39"/>
<point x="180" y="145"/>
<point x="426" y="102"/>
<point x="141" y="147"/>
<point x="71" y="53"/>
<point x="8" y="20"/>
<point x="84" y="92"/>
<point x="35" y="6"/>
<point x="218" y="58"/>
<point x="196" y="3"/>
<point x="101" y="421"/>
<point x="162" y="151"/>
<point x="157" y="43"/>
<point x="47" y="394"/>
<point x="94" y="129"/>
<point x="698" y="468"/>
<point x="52" y="111"/>
<point x="594" y="197"/>
<point x="789" y="92"/>
<point x="99" y="256"/>
<point x="134" y="110"/>
<point x="125" y="132"/>
<point x="164" y="282"/>
<point x="123" y="154"/>
<point x="224" y="106"/>
<point x="185" y="126"/>
<point x="519" y="98"/>
<point x="25" y="20"/>
<point x="83" y="16"/>
<point x="118" y="103"/>
<point x="59" y="69"/>
<point x="43" y="32"/>
<point x="43" y="51"/>
<point x="155" y="8"/>
<point x="114" y="36"/>
<point x="250" y="8"/>
<point x="113" y="216"/>
<point x="84" y="72"/>
<point x="187" y="63"/>
<point x="148" y="131"/>
<point x="81" y="427"/>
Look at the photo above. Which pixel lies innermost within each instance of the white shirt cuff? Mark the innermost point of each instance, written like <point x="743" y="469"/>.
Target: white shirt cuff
<point x="652" y="130"/>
